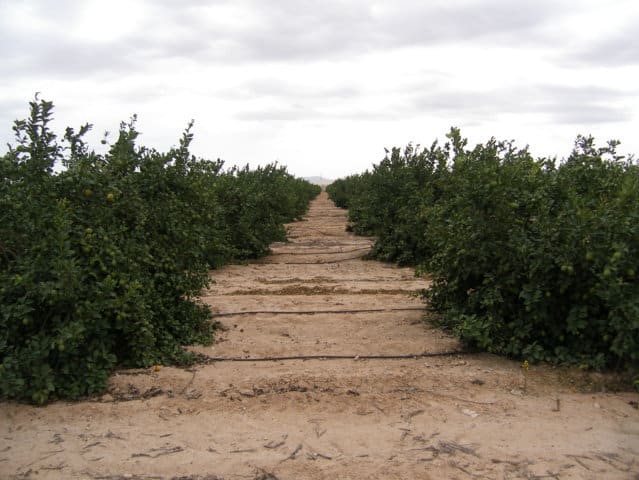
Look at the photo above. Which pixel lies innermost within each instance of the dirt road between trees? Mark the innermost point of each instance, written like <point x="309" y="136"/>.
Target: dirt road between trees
<point x="457" y="416"/>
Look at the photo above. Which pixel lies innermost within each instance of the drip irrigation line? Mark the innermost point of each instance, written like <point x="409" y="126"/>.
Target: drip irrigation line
<point x="312" y="244"/>
<point x="323" y="253"/>
<point x="302" y="235"/>
<point x="319" y="228"/>
<point x="320" y="280"/>
<point x="448" y="353"/>
<point x="314" y="263"/>
<point x="313" y="312"/>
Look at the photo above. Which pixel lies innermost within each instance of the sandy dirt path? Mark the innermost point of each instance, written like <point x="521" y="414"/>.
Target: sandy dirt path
<point x="459" y="416"/>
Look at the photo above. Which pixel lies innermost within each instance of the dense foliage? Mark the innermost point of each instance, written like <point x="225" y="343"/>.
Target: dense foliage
<point x="101" y="262"/>
<point x="529" y="258"/>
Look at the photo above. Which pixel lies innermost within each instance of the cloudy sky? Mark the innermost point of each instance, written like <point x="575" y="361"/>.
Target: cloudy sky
<point x="324" y="86"/>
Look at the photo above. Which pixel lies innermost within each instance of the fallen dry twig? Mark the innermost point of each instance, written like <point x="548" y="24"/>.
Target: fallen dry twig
<point x="275" y="444"/>
<point x="158" y="452"/>
<point x="294" y="454"/>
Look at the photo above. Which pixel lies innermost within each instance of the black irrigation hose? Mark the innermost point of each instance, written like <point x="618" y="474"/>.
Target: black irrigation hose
<point x="313" y="312"/>
<point x="323" y="253"/>
<point x="450" y="353"/>
<point x="315" y="263"/>
<point x="316" y="280"/>
<point x="321" y="233"/>
<point x="321" y="243"/>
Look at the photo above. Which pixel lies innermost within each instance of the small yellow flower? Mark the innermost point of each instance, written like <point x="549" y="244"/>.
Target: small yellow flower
<point x="525" y="365"/>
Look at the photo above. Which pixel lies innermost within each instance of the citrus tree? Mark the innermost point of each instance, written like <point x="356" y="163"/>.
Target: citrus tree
<point x="529" y="257"/>
<point x="103" y="256"/>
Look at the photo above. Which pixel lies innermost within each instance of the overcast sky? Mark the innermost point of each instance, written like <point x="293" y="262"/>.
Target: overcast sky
<point x="323" y="86"/>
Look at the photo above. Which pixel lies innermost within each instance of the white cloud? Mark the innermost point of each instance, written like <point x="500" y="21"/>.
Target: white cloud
<point x="324" y="86"/>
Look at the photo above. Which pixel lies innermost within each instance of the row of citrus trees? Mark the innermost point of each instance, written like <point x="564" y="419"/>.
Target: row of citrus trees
<point x="101" y="262"/>
<point x="529" y="258"/>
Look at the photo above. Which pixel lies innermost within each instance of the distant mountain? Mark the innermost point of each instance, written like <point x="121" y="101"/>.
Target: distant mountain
<point x="319" y="180"/>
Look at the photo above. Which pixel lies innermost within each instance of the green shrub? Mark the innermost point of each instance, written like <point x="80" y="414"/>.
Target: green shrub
<point x="101" y="263"/>
<point x="528" y="259"/>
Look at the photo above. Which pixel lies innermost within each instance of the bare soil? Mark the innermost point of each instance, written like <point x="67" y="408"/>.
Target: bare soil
<point x="458" y="416"/>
